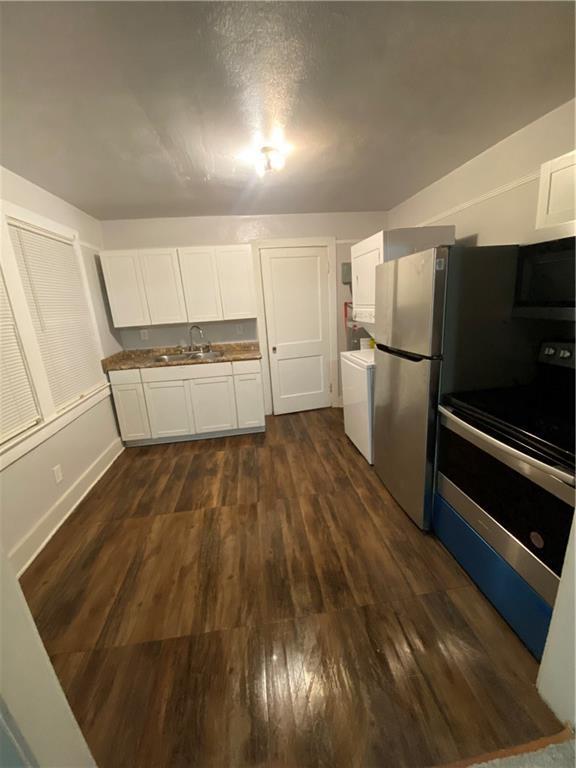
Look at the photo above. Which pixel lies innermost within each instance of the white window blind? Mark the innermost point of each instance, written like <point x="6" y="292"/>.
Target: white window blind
<point x="18" y="408"/>
<point x="60" y="313"/>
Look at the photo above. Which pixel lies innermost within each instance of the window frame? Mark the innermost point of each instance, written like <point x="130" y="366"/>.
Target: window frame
<point x="52" y="420"/>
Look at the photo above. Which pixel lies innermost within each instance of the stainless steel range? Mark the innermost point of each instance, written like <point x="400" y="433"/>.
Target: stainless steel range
<point x="506" y="467"/>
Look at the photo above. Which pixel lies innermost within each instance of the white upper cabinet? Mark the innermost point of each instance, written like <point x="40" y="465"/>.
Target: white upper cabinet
<point x="163" y="286"/>
<point x="144" y="287"/>
<point x="199" y="270"/>
<point x="556" y="192"/>
<point x="365" y="255"/>
<point x="125" y="288"/>
<point x="236" y="277"/>
<point x="386" y="246"/>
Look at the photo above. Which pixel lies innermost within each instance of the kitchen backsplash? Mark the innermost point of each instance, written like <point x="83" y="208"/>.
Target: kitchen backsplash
<point x="175" y="335"/>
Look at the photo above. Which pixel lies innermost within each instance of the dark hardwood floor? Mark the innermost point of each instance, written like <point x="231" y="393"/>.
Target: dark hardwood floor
<point x="262" y="601"/>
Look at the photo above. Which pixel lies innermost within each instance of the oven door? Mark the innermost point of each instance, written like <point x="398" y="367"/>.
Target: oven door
<point x="517" y="504"/>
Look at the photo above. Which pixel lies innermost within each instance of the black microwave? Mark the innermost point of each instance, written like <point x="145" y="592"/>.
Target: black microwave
<point x="545" y="280"/>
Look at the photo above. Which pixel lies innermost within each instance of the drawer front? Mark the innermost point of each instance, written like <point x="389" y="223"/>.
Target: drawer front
<point x="131" y="376"/>
<point x="246" y="366"/>
<point x="527" y="613"/>
<point x="185" y="372"/>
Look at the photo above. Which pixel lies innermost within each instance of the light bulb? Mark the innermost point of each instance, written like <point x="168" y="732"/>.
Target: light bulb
<point x="267" y="156"/>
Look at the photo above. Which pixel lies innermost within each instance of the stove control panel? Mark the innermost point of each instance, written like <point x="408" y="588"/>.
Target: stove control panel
<point x="557" y="353"/>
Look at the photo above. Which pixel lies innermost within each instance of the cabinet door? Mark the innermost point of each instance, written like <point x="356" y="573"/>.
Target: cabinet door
<point x="131" y="411"/>
<point x="169" y="408"/>
<point x="365" y="258"/>
<point x="214" y="403"/>
<point x="236" y="277"/>
<point x="163" y="286"/>
<point x="125" y="288"/>
<point x="200" y="281"/>
<point x="249" y="400"/>
<point x="556" y="191"/>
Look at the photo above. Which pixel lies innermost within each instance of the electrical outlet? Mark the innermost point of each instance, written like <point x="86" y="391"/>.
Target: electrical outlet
<point x="239" y="329"/>
<point x="57" y="470"/>
<point x="144" y="335"/>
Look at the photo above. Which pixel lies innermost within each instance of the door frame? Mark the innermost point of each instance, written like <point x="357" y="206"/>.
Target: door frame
<point x="294" y="242"/>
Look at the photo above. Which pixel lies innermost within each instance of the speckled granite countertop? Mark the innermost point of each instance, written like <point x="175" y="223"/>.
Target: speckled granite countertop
<point x="145" y="358"/>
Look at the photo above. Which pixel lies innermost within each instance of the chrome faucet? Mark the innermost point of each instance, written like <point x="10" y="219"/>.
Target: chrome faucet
<point x="203" y="346"/>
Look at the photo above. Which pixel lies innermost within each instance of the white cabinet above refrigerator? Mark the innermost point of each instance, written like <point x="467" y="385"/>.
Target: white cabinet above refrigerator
<point x="365" y="257"/>
<point x="387" y="246"/>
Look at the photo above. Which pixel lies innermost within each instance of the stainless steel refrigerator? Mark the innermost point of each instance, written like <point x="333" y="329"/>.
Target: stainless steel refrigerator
<point x="409" y="318"/>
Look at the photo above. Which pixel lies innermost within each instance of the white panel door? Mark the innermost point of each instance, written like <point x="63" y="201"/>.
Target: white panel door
<point x="131" y="411"/>
<point x="236" y="277"/>
<point x="365" y="257"/>
<point x="169" y="408"/>
<point x="295" y="281"/>
<point x="199" y="270"/>
<point x="249" y="400"/>
<point x="125" y="288"/>
<point x="163" y="286"/>
<point x="214" y="404"/>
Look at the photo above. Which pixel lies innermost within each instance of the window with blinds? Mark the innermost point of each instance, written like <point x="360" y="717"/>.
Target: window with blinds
<point x="57" y="301"/>
<point x="18" y="408"/>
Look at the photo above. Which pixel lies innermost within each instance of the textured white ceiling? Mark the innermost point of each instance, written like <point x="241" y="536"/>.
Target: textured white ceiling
<point x="140" y="109"/>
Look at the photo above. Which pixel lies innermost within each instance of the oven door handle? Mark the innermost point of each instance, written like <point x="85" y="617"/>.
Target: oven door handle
<point x="552" y="479"/>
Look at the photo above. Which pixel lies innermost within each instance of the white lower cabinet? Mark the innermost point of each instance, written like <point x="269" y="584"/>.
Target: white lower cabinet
<point x="180" y="401"/>
<point x="131" y="411"/>
<point x="214" y="403"/>
<point x="169" y="408"/>
<point x="249" y="400"/>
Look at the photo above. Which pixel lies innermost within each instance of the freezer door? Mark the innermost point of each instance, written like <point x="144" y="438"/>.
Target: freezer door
<point x="410" y="302"/>
<point x="405" y="397"/>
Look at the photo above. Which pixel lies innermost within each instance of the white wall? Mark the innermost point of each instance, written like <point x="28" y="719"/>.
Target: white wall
<point x="22" y="192"/>
<point x="492" y="198"/>
<point x="222" y="230"/>
<point x="37" y="711"/>
<point x="19" y="191"/>
<point x="557" y="674"/>
<point x="179" y="335"/>
<point x="32" y="504"/>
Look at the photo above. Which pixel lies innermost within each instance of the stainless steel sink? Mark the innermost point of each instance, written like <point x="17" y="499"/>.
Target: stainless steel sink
<point x="181" y="357"/>
<point x="210" y="355"/>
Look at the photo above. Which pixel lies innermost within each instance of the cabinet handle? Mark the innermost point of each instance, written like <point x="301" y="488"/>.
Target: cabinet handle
<point x="274" y="350"/>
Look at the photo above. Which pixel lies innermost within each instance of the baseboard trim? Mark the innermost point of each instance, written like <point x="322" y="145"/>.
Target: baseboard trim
<point x="521" y="749"/>
<point x="192" y="438"/>
<point x="32" y="544"/>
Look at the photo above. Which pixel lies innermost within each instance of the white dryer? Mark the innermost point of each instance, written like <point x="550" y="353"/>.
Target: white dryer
<point x="358" y="398"/>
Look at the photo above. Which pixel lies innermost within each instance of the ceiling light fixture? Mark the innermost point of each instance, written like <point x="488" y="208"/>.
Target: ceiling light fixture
<point x="267" y="156"/>
<point x="271" y="159"/>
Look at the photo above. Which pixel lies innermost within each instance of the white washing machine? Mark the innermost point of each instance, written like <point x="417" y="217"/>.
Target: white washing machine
<point x="358" y="398"/>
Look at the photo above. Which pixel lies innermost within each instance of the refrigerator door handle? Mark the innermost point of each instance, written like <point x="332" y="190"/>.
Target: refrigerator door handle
<point x="406" y="355"/>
